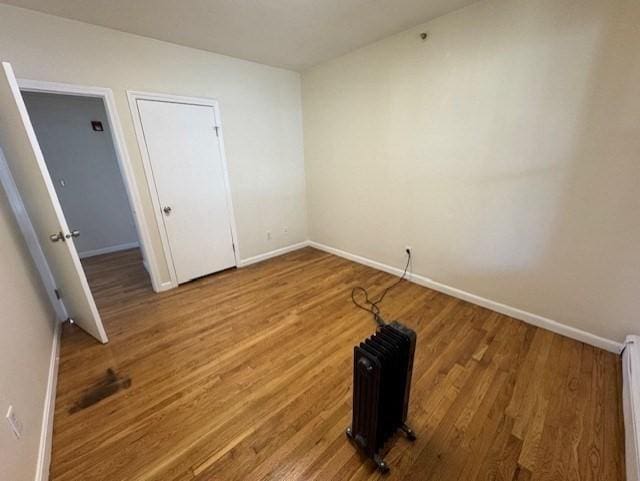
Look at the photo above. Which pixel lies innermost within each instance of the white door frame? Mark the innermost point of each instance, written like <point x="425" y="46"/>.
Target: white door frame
<point x="134" y="96"/>
<point x="124" y="162"/>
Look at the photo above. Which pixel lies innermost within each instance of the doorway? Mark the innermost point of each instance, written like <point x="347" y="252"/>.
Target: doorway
<point x="77" y="144"/>
<point x="74" y="135"/>
<point x="38" y="211"/>
<point x="113" y="131"/>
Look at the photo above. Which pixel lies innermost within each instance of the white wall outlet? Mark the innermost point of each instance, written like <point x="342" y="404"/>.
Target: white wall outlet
<point x="408" y="249"/>
<point x="14" y="423"/>
<point x="268" y="235"/>
<point x="286" y="229"/>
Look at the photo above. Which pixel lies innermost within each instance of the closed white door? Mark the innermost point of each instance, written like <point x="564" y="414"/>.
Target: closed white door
<point x="29" y="171"/>
<point x="183" y="149"/>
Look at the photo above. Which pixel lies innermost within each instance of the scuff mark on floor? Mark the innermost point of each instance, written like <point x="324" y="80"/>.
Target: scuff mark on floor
<point x="108" y="386"/>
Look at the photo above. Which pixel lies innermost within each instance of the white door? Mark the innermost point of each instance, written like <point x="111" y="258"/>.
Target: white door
<point x="183" y="149"/>
<point x="27" y="165"/>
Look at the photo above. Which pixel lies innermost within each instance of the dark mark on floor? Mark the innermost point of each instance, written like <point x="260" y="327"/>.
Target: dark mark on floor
<point x="111" y="384"/>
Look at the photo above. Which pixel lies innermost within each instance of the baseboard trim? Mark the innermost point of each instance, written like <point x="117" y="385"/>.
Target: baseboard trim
<point x="46" y="434"/>
<point x="273" y="253"/>
<point x="631" y="405"/>
<point x="510" y="311"/>
<point x="166" y="286"/>
<point x="108" y="250"/>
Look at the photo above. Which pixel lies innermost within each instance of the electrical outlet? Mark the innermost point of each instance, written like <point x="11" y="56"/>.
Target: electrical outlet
<point x="286" y="229"/>
<point x="408" y="250"/>
<point x="268" y="235"/>
<point x="14" y="423"/>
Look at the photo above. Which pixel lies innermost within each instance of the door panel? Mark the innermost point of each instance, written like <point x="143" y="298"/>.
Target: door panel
<point x="31" y="176"/>
<point x="188" y="174"/>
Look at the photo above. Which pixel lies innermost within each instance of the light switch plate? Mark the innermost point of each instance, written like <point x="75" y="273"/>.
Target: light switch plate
<point x="14" y="423"/>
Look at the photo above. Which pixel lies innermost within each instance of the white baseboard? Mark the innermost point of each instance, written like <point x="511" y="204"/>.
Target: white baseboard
<point x="166" y="286"/>
<point x="108" y="250"/>
<point x="516" y="313"/>
<point x="273" y="253"/>
<point x="46" y="435"/>
<point x="247" y="262"/>
<point x="157" y="287"/>
<point x="631" y="406"/>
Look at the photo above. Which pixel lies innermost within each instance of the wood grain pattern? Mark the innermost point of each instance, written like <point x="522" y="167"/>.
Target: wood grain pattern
<point x="246" y="375"/>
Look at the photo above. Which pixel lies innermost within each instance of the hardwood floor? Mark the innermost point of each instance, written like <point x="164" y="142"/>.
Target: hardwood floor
<point x="246" y="375"/>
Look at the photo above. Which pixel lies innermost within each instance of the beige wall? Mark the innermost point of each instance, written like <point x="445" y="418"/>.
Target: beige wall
<point x="505" y="150"/>
<point x="26" y="327"/>
<point x="260" y="107"/>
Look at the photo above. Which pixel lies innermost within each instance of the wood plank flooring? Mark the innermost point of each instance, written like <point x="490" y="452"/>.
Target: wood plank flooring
<point x="246" y="375"/>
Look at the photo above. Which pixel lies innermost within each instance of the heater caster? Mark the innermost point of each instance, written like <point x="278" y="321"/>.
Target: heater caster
<point x="349" y="433"/>
<point x="411" y="436"/>
<point x="382" y="466"/>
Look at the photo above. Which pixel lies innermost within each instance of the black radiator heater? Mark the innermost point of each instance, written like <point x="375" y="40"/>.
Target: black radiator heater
<point x="382" y="367"/>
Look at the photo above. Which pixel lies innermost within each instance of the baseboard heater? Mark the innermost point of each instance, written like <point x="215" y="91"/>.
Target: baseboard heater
<point x="382" y="367"/>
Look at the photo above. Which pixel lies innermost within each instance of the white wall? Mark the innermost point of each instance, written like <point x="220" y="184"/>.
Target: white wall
<point x="93" y="197"/>
<point x="505" y="150"/>
<point x="260" y="108"/>
<point x="26" y="327"/>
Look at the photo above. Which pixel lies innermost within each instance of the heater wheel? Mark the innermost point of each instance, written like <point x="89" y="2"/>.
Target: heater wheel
<point x="382" y="466"/>
<point x="411" y="436"/>
<point x="380" y="463"/>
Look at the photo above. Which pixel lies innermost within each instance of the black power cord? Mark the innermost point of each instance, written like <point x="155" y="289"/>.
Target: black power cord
<point x="374" y="308"/>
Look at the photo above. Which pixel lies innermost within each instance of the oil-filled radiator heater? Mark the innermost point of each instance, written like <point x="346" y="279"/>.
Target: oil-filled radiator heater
<point x="382" y="367"/>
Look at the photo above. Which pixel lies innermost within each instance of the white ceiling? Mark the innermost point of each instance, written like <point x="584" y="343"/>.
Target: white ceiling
<point x="294" y="34"/>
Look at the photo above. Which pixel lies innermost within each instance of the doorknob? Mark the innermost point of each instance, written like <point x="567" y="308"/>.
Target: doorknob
<point x="57" y="237"/>
<point x="167" y="210"/>
<point x="74" y="234"/>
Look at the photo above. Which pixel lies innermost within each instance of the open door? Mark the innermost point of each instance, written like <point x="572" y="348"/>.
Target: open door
<point x="27" y="165"/>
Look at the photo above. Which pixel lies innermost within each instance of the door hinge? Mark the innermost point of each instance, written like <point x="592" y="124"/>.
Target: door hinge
<point x="216" y="129"/>
<point x="58" y="295"/>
